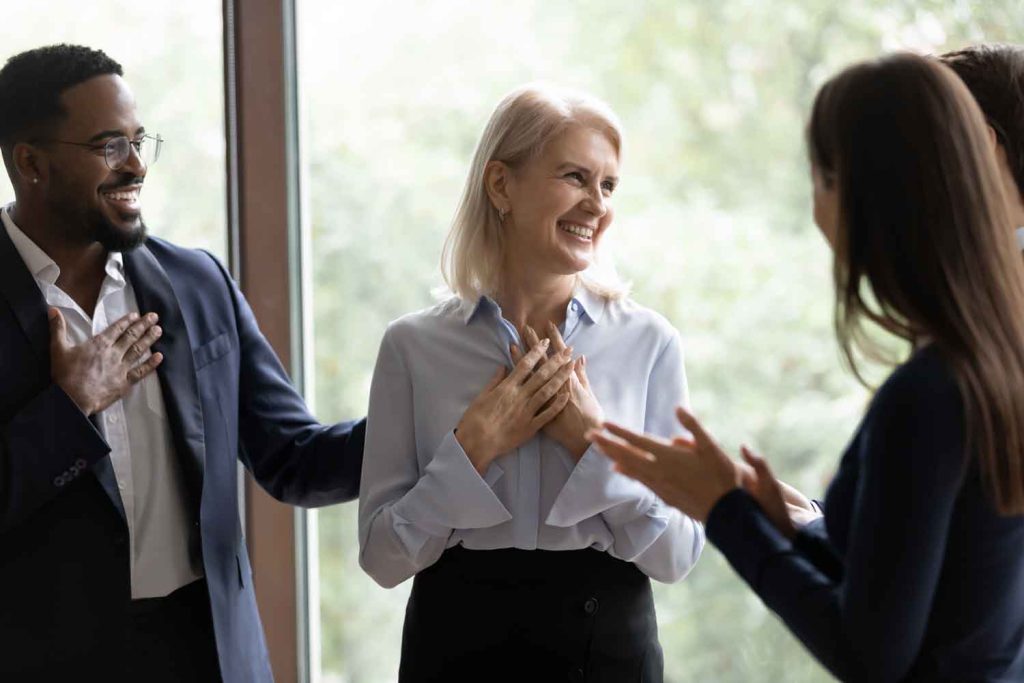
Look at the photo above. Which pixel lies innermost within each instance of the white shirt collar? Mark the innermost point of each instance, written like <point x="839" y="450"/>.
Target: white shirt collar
<point x="44" y="268"/>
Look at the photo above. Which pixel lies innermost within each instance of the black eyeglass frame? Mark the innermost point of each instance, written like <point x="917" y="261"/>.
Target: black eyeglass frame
<point x="109" y="148"/>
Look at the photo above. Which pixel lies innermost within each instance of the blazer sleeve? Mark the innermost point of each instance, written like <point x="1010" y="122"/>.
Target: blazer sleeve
<point x="44" y="446"/>
<point x="868" y="625"/>
<point x="290" y="454"/>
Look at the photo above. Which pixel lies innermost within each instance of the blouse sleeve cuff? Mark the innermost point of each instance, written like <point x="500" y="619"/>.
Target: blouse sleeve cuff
<point x="594" y="488"/>
<point x="634" y="537"/>
<point x="452" y="495"/>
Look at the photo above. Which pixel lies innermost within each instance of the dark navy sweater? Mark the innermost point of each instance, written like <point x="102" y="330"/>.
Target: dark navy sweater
<point x="912" y="576"/>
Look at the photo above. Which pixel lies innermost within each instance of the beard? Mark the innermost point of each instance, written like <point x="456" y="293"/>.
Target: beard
<point x="113" y="238"/>
<point x="89" y="224"/>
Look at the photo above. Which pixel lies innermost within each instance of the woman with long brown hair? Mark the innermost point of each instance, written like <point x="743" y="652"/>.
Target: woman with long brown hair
<point x="918" y="572"/>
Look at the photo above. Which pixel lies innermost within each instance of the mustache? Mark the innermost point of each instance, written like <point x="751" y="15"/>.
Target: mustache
<point x="127" y="180"/>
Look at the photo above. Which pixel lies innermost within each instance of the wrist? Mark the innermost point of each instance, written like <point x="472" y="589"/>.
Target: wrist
<point x="80" y="402"/>
<point x="472" y="446"/>
<point x="578" y="449"/>
<point x="713" y="502"/>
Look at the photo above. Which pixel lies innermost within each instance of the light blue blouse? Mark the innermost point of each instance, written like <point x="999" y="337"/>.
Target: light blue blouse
<point x="420" y="494"/>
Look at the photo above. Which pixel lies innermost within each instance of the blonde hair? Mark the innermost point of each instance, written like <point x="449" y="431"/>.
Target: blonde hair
<point x="519" y="128"/>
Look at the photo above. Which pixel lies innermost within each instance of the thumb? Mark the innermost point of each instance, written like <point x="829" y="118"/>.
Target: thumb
<point x="760" y="465"/>
<point x="749" y="480"/>
<point x="58" y="328"/>
<point x="577" y="368"/>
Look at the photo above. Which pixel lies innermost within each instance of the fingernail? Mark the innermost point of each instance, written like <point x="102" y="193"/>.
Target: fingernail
<point x="545" y="342"/>
<point x="157" y="331"/>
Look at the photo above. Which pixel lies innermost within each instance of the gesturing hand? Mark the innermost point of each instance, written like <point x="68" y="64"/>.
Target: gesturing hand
<point x="582" y="411"/>
<point x="691" y="474"/>
<point x="785" y="506"/>
<point x="511" y="408"/>
<point x="98" y="372"/>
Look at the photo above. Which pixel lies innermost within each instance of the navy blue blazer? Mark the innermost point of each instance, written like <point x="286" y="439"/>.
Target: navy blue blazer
<point x="64" y="572"/>
<point x="912" y="575"/>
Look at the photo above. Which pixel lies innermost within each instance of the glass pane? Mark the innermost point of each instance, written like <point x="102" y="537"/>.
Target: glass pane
<point x="712" y="225"/>
<point x="172" y="58"/>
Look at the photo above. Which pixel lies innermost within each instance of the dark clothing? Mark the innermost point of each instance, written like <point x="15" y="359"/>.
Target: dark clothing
<point x="65" y="600"/>
<point x="913" y="576"/>
<point x="530" y="615"/>
<point x="164" y="629"/>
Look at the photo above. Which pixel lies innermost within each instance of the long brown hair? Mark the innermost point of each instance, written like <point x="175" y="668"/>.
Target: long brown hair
<point x="925" y="247"/>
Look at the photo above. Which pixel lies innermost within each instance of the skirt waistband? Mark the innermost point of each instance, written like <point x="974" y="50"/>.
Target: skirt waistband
<point x="514" y="564"/>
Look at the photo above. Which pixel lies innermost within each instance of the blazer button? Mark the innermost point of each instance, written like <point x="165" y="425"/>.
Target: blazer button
<point x="591" y="606"/>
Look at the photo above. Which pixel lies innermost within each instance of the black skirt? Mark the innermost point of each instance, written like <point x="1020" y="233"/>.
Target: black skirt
<point x="532" y="616"/>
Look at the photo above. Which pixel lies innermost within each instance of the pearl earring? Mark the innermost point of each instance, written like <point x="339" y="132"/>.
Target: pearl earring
<point x="35" y="180"/>
<point x="501" y="215"/>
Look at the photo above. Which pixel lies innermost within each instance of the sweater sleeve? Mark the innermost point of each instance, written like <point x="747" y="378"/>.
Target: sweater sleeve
<point x="868" y="624"/>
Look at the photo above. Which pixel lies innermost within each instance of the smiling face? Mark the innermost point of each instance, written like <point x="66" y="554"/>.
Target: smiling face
<point x="94" y="203"/>
<point x="559" y="203"/>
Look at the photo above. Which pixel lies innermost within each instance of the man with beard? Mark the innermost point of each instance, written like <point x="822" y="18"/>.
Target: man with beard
<point x="133" y="375"/>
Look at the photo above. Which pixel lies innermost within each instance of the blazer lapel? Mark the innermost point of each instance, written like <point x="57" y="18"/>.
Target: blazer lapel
<point x="177" y="373"/>
<point x="21" y="291"/>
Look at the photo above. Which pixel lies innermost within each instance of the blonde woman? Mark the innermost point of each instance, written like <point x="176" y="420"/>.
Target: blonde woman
<point x="532" y="557"/>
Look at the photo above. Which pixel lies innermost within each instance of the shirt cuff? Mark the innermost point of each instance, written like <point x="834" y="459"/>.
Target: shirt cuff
<point x="451" y="494"/>
<point x="634" y="537"/>
<point x="594" y="488"/>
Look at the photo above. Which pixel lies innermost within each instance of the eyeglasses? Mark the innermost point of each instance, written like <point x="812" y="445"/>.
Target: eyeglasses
<point x="117" y="150"/>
